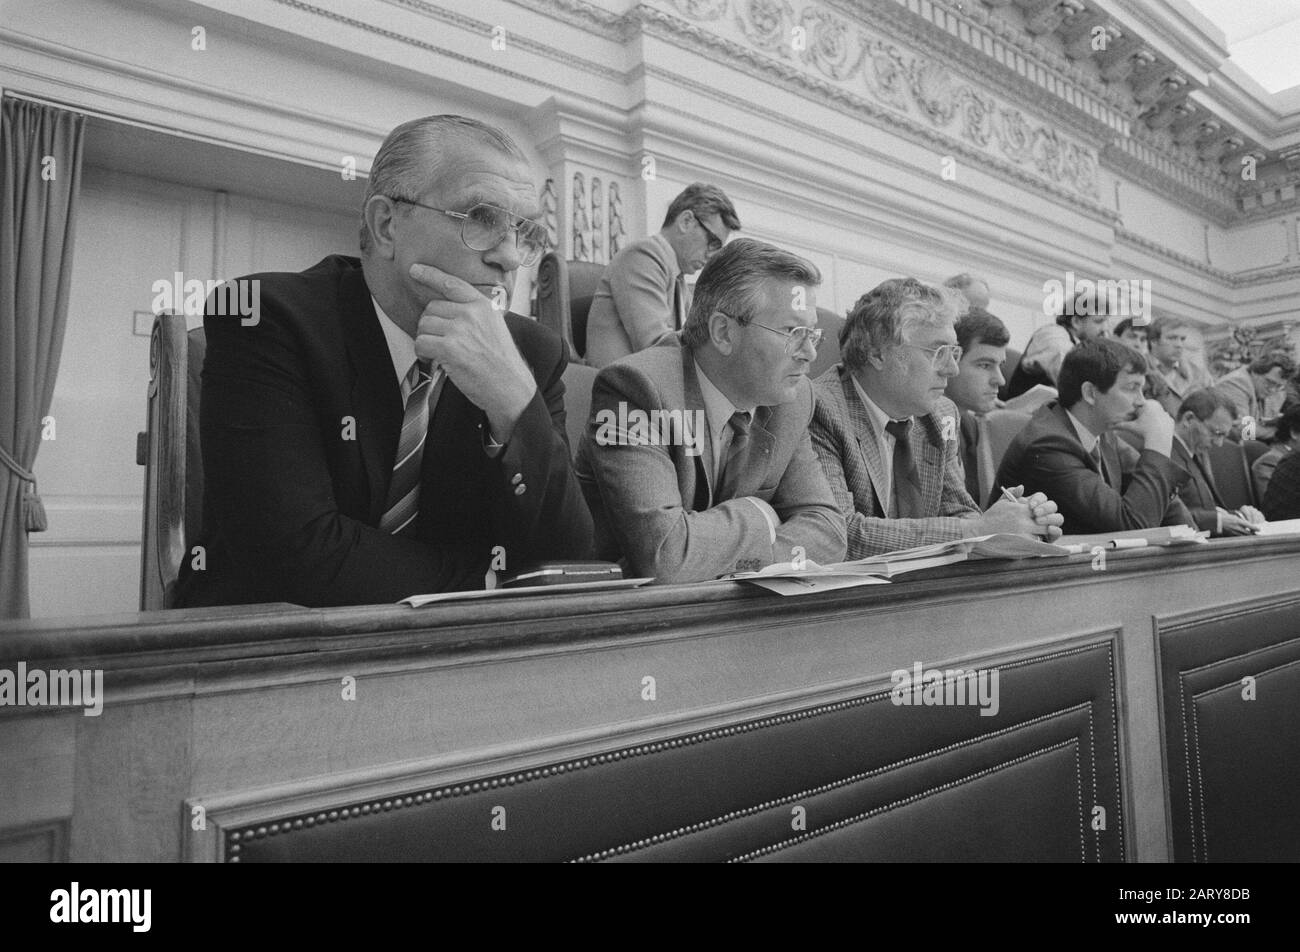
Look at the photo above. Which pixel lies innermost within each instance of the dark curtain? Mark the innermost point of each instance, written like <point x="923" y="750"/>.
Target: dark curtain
<point x="40" y="148"/>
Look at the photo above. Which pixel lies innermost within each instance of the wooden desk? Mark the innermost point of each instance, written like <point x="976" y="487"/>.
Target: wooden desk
<point x="225" y="734"/>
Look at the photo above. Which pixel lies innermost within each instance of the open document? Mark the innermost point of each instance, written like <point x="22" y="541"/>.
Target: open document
<point x="805" y="578"/>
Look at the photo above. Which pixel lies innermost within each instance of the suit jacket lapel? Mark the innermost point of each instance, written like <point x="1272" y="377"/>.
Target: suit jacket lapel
<point x="697" y="478"/>
<point x="1113" y="472"/>
<point x="867" y="438"/>
<point x="376" y="396"/>
<point x="929" y="465"/>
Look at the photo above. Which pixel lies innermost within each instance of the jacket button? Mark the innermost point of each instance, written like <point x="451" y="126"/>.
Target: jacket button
<point x="519" y="490"/>
<point x="516" y="479"/>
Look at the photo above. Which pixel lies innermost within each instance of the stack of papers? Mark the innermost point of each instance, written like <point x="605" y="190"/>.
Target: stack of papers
<point x="1133" y="538"/>
<point x="786" y="579"/>
<point x="1284" y="527"/>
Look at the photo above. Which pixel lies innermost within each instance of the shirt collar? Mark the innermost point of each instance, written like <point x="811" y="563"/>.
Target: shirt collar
<point x="401" y="345"/>
<point x="1086" y="436"/>
<point x="717" y="407"/>
<point x="878" y="416"/>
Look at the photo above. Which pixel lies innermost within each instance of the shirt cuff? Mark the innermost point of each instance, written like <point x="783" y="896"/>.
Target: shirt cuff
<point x="769" y="514"/>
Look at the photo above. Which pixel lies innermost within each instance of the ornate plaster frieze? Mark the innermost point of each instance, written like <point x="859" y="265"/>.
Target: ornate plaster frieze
<point x="1000" y="55"/>
<point x="865" y="73"/>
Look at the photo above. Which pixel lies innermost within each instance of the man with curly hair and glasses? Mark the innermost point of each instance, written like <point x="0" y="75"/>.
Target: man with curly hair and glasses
<point x="887" y="437"/>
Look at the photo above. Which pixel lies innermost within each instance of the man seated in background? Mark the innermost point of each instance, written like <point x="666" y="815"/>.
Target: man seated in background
<point x="1288" y="431"/>
<point x="384" y="424"/>
<point x="1203" y="421"/>
<point x="713" y="473"/>
<point x="641" y="299"/>
<point x="1257" y="389"/>
<point x="1069" y="452"/>
<point x="983" y="341"/>
<point x="886" y="435"/>
<point x="1081" y="319"/>
<point x="1167" y="343"/>
<point x="1282" y="501"/>
<point x="1133" y="335"/>
<point x="974" y="290"/>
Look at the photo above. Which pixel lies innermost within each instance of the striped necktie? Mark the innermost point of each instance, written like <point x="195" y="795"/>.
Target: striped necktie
<point x="403" y="503"/>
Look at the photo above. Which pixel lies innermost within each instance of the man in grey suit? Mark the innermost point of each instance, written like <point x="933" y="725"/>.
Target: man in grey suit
<point x="641" y="299"/>
<point x="696" y="461"/>
<point x="887" y="437"/>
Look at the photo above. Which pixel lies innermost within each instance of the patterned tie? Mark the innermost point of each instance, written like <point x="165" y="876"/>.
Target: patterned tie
<point x="907" y="481"/>
<point x="403" y="503"/>
<point x="733" y="466"/>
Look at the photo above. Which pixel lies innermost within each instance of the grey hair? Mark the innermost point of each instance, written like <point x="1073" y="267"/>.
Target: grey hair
<point x="885" y="313"/>
<point x="734" y="282"/>
<point x="411" y="156"/>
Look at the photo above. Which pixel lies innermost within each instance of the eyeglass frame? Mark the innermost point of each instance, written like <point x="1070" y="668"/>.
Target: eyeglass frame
<point x="525" y="260"/>
<point x="712" y="238"/>
<point x="813" y="335"/>
<point x="955" y="349"/>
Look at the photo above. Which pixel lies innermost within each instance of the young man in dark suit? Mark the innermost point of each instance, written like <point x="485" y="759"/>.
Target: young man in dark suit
<point x="384" y="424"/>
<point x="1068" y="450"/>
<point x="1204" y="420"/>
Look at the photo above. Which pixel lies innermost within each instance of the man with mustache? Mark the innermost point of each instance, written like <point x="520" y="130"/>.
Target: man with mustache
<point x="1069" y="451"/>
<point x="386" y="426"/>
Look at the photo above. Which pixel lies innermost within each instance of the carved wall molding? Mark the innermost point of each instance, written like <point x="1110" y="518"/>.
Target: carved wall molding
<point x="871" y="77"/>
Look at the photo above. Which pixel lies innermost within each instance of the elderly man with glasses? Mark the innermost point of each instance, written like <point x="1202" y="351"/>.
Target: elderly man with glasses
<point x="696" y="460"/>
<point x="385" y="428"/>
<point x="641" y="299"/>
<point x="887" y="437"/>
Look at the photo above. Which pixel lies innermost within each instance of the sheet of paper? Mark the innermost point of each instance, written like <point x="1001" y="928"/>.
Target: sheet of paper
<point x="1283" y="527"/>
<point x="416" y="601"/>
<point x="814" y="583"/>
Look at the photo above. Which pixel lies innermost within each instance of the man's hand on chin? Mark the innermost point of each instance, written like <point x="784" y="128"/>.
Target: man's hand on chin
<point x="462" y="332"/>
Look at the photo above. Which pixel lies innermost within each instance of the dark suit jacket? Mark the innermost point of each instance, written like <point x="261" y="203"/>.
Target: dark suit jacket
<point x="1282" y="499"/>
<point x="1199" y="493"/>
<point x="300" y="416"/>
<point x="655" y="503"/>
<point x="846" y="443"/>
<point x="1047" y="457"/>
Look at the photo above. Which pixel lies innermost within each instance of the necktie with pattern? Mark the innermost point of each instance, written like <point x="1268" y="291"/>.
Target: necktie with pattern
<point x="1100" y="461"/>
<point x="403" y="503"/>
<point x="907" y="481"/>
<point x="733" y="465"/>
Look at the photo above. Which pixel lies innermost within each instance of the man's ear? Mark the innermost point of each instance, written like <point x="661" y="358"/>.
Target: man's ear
<point x="1088" y="392"/>
<point x="685" y="220"/>
<point x="876" y="358"/>
<point x="380" y="215"/>
<point x="722" y="333"/>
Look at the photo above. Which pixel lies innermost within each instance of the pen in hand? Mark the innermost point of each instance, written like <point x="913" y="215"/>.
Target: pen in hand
<point x="1008" y="494"/>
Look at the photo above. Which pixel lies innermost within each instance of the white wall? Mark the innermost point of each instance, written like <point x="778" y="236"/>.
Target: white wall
<point x="132" y="231"/>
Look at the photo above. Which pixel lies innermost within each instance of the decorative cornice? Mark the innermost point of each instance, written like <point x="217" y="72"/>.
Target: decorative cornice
<point x="1144" y="164"/>
<point x="997" y="51"/>
<point x="585" y="16"/>
<point x="907" y="92"/>
<point x="1233" y="280"/>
